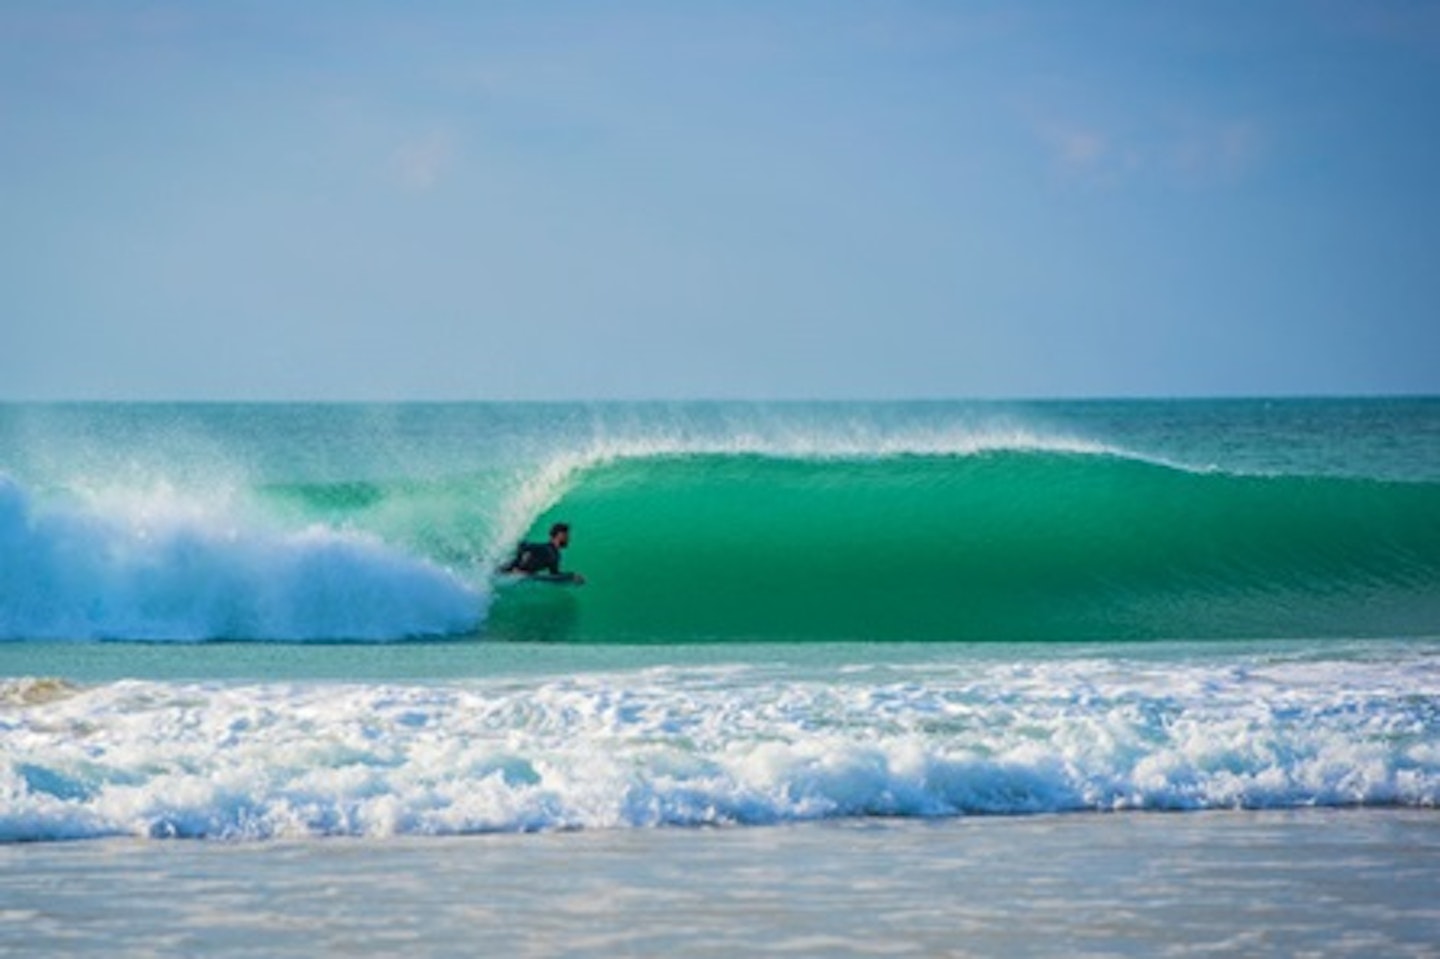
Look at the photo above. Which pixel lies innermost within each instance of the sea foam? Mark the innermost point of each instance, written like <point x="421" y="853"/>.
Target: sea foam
<point x="678" y="746"/>
<point x="164" y="566"/>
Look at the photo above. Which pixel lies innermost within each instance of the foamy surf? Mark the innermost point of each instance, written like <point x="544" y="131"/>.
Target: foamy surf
<point x="168" y="567"/>
<point x="727" y="745"/>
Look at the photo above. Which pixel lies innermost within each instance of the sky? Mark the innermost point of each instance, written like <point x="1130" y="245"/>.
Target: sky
<point x="794" y="200"/>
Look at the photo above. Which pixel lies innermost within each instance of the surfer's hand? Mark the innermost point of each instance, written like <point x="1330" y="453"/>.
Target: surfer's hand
<point x="579" y="580"/>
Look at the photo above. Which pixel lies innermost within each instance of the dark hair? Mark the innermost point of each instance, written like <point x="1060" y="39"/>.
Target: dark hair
<point x="559" y="528"/>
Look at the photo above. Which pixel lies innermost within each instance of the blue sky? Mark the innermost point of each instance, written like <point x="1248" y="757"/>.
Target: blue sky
<point x="771" y="200"/>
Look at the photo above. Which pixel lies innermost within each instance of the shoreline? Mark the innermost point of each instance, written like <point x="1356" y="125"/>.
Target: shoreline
<point x="1319" y="881"/>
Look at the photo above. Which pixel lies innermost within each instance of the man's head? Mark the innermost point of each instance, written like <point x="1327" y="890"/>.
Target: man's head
<point x="560" y="535"/>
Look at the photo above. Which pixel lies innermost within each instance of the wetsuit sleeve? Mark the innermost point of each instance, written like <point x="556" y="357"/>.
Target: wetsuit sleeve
<point x="534" y="559"/>
<point x="528" y="558"/>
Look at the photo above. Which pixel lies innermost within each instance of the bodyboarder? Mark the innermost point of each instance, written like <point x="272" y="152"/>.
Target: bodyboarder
<point x="542" y="560"/>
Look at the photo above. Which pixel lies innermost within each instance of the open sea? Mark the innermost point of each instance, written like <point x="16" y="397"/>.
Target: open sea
<point x="1084" y="678"/>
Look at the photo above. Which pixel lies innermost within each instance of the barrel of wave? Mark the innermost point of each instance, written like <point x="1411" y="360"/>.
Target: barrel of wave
<point x="1001" y="546"/>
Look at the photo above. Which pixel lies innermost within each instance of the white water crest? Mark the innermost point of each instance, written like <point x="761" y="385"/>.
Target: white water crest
<point x="542" y="485"/>
<point x="162" y="565"/>
<point x="679" y="746"/>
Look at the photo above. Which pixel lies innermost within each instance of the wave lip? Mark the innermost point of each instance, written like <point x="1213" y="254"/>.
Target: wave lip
<point x="662" y="748"/>
<point x="558" y="473"/>
<point x="185" y="573"/>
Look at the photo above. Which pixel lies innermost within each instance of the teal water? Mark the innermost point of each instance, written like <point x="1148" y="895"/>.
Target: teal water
<point x="258" y="622"/>
<point x="723" y="522"/>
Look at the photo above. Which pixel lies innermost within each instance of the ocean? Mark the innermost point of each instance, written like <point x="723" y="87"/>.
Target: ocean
<point x="1101" y="678"/>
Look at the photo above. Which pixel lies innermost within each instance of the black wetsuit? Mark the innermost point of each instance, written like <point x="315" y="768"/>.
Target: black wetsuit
<point x="531" y="558"/>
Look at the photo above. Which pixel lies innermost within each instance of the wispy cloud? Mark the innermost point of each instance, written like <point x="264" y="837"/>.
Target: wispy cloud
<point x="421" y="163"/>
<point x="1209" y="152"/>
<point x="1176" y="149"/>
<point x="1081" y="149"/>
<point x="1085" y="151"/>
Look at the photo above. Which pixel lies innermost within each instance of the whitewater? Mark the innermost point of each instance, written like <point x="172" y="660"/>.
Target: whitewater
<point x="934" y="735"/>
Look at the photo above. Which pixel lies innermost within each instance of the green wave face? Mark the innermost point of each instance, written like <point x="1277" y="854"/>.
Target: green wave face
<point x="1003" y="546"/>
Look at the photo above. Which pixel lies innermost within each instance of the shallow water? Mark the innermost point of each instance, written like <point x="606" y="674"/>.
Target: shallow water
<point x="1309" y="882"/>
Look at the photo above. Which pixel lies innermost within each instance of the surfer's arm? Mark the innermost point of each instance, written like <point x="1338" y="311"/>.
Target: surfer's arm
<point x="574" y="578"/>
